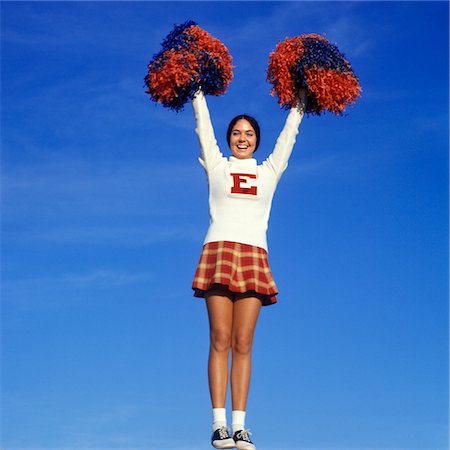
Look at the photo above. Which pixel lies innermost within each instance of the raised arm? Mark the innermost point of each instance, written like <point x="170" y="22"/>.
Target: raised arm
<point x="210" y="154"/>
<point x="278" y="160"/>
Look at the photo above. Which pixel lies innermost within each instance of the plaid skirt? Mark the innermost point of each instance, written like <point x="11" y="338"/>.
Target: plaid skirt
<point x="240" y="268"/>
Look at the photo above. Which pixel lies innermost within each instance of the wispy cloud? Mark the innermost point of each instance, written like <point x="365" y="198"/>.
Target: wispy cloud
<point x="60" y="28"/>
<point x="134" y="236"/>
<point x="85" y="186"/>
<point x="335" y="19"/>
<point x="98" y="425"/>
<point x="87" y="430"/>
<point x="78" y="201"/>
<point x="68" y="288"/>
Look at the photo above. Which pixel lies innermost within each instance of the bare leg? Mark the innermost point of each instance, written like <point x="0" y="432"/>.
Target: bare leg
<point x="245" y="316"/>
<point x="220" y="312"/>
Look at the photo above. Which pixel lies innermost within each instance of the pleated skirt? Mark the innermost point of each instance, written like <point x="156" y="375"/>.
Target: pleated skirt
<point x="241" y="269"/>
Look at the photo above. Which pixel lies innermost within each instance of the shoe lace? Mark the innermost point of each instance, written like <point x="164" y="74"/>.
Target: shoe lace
<point x="223" y="433"/>
<point x="244" y="435"/>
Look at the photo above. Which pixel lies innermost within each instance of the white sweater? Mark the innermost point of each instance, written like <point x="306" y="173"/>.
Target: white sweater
<point x="240" y="190"/>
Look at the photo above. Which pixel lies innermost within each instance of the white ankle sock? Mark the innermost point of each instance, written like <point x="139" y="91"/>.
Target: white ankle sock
<point x="238" y="421"/>
<point x="219" y="418"/>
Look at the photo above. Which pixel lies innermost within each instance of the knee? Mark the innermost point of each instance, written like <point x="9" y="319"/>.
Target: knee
<point x="242" y="344"/>
<point x="220" y="341"/>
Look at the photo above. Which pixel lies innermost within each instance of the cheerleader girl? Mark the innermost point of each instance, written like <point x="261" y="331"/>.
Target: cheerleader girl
<point x="233" y="274"/>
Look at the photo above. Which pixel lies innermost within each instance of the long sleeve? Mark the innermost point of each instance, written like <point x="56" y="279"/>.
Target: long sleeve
<point x="278" y="159"/>
<point x="210" y="155"/>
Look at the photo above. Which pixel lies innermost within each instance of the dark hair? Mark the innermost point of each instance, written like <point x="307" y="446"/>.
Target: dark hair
<point x="251" y="120"/>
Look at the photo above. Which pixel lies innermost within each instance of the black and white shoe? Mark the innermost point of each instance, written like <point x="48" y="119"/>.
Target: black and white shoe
<point x="221" y="439"/>
<point x="242" y="440"/>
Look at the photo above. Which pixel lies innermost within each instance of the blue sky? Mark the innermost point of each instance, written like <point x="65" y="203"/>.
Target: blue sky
<point x="104" y="210"/>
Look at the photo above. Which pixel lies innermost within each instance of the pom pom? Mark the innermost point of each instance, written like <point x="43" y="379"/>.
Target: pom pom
<point x="190" y="58"/>
<point x="310" y="61"/>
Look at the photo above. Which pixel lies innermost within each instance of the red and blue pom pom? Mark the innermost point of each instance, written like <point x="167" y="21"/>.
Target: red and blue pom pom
<point x="310" y="61"/>
<point x="190" y="58"/>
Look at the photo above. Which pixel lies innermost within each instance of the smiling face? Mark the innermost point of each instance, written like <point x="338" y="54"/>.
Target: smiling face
<point x="242" y="140"/>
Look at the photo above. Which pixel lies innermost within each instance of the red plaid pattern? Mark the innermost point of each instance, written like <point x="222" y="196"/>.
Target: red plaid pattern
<point x="240" y="267"/>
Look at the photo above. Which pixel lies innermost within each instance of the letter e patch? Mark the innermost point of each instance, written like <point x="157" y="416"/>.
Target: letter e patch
<point x="242" y="184"/>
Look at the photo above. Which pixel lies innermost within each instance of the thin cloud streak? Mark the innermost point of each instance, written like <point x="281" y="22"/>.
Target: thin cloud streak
<point x="56" y="291"/>
<point x="339" y="21"/>
<point x="82" y="28"/>
<point x="75" y="187"/>
<point x="144" y="236"/>
<point x="67" y="201"/>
